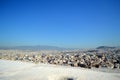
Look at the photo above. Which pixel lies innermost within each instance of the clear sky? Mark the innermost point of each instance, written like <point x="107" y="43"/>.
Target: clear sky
<point x="63" y="23"/>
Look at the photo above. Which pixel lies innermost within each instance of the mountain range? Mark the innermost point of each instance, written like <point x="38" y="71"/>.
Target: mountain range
<point x="44" y="47"/>
<point x="40" y="47"/>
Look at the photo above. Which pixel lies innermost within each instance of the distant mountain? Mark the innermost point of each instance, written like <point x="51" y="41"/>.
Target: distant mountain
<point x="41" y="47"/>
<point x="105" y="47"/>
<point x="34" y="48"/>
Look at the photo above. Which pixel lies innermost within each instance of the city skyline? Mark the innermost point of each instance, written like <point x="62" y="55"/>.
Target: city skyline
<point x="62" y="23"/>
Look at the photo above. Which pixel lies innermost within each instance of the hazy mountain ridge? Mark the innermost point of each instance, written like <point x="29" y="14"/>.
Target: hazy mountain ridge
<point x="106" y="47"/>
<point x="45" y="47"/>
<point x="40" y="47"/>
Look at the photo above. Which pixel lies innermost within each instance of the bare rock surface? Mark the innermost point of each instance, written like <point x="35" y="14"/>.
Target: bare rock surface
<point x="16" y="70"/>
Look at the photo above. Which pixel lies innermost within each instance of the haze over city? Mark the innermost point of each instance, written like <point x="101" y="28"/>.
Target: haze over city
<point x="63" y="23"/>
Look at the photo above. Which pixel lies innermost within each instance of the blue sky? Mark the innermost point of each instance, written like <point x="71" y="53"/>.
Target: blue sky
<point x="64" y="23"/>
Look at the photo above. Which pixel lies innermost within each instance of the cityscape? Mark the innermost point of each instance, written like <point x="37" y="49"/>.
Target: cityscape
<point x="59" y="39"/>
